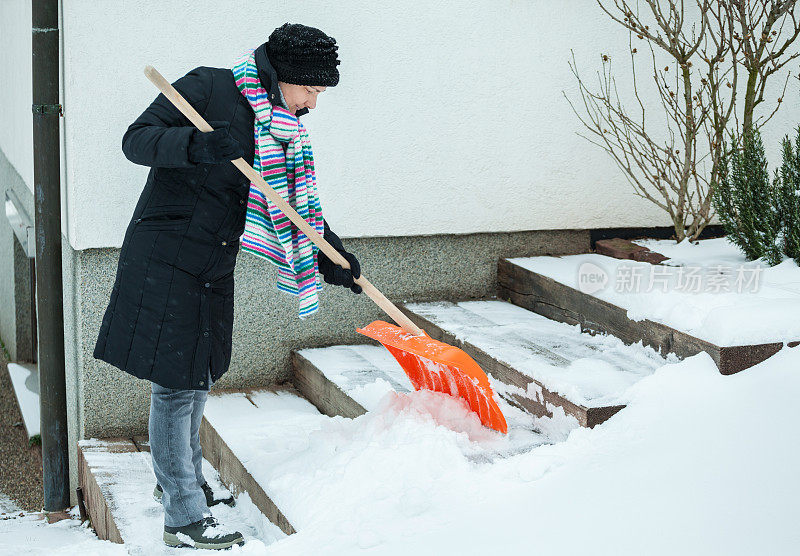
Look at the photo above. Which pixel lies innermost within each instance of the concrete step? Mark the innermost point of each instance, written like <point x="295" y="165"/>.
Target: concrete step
<point x="116" y="480"/>
<point x="548" y="297"/>
<point x="537" y="363"/>
<point x="347" y="380"/>
<point x="106" y="490"/>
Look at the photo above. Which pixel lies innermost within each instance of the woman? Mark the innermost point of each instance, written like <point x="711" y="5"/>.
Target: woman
<point x="170" y="316"/>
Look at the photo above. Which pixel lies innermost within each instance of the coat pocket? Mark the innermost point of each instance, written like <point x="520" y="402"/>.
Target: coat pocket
<point x="196" y="256"/>
<point x="168" y="217"/>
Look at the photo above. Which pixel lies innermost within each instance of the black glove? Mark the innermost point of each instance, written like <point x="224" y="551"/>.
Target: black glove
<point x="333" y="273"/>
<point x="214" y="147"/>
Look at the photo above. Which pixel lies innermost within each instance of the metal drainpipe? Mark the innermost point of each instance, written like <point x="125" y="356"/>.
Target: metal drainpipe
<point x="49" y="300"/>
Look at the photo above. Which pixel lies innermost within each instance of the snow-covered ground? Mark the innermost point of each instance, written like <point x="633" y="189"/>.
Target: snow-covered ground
<point x="30" y="534"/>
<point x="697" y="463"/>
<point x="707" y="289"/>
<point x="703" y="252"/>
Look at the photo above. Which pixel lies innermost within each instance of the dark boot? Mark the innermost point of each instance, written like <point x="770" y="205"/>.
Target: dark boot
<point x="206" y="533"/>
<point x="210" y="500"/>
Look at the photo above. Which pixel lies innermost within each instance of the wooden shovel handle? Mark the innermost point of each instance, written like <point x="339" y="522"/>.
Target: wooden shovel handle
<point x="188" y="110"/>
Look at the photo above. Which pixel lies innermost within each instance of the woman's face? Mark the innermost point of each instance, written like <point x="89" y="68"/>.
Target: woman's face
<point x="300" y="96"/>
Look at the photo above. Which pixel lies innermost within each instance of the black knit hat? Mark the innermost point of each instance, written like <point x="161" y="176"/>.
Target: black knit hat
<point x="303" y="55"/>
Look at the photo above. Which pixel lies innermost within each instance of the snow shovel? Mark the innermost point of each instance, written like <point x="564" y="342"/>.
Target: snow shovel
<point x="429" y="363"/>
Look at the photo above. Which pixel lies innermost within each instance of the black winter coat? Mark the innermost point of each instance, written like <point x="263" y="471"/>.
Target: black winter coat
<point x="170" y="316"/>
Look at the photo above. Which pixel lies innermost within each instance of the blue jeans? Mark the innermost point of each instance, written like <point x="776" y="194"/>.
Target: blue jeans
<point x="174" y="424"/>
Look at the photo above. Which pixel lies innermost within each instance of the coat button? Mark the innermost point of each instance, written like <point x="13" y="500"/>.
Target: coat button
<point x="202" y="383"/>
<point x="205" y="333"/>
<point x="208" y="284"/>
<point x="241" y="201"/>
<point x="272" y="96"/>
<point x="224" y="243"/>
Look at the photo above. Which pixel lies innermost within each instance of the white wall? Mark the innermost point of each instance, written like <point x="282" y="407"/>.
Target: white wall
<point x="16" y="118"/>
<point x="449" y="116"/>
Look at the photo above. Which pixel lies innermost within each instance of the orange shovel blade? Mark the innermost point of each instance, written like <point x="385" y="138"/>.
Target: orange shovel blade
<point x="440" y="367"/>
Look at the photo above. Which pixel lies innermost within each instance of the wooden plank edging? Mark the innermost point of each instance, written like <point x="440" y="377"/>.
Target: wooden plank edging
<point x="100" y="516"/>
<point x="312" y="383"/>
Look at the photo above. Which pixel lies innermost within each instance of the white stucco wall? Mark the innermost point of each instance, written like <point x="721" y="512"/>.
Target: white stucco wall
<point x="16" y="118"/>
<point x="449" y="116"/>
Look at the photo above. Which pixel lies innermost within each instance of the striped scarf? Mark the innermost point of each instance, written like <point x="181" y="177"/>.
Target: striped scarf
<point x="268" y="233"/>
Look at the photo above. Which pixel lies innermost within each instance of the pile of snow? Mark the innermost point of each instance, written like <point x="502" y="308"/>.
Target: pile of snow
<point x="369" y="373"/>
<point x="736" y="302"/>
<point x="698" y="463"/>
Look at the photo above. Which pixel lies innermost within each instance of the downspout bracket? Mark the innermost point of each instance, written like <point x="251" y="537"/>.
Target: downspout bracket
<point x="48" y="109"/>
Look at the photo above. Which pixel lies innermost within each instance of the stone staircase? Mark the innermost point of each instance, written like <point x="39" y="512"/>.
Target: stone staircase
<point x="544" y="362"/>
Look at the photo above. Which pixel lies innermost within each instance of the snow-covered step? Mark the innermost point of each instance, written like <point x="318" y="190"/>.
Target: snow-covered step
<point x="347" y="380"/>
<point x="250" y="437"/>
<point x="116" y="479"/>
<point x="544" y="285"/>
<point x="540" y="364"/>
<point x="100" y="480"/>
<point x="350" y="380"/>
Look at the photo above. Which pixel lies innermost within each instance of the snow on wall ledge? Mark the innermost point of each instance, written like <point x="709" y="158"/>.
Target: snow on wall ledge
<point x="439" y="124"/>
